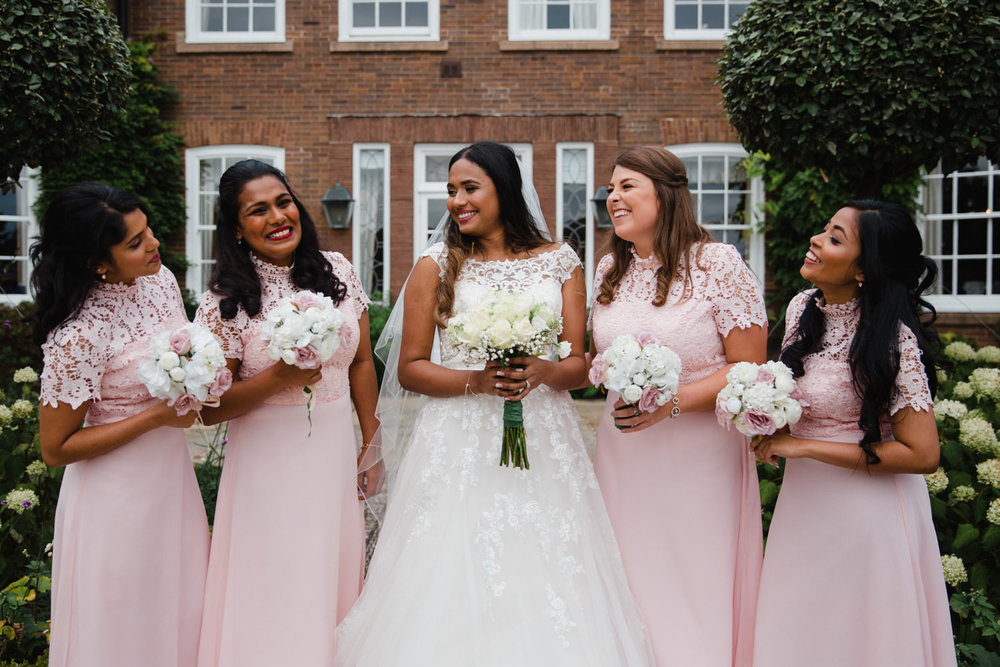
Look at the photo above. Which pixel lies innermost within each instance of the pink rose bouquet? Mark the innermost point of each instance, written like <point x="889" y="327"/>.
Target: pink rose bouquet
<point x="186" y="367"/>
<point x="759" y="399"/>
<point x="645" y="373"/>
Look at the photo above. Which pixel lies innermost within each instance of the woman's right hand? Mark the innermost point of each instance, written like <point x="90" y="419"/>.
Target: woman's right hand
<point x="286" y="375"/>
<point x="166" y="415"/>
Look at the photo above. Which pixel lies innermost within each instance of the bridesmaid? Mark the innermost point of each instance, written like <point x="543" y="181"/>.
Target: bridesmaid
<point x="288" y="542"/>
<point x="681" y="490"/>
<point x="852" y="574"/>
<point x="131" y="539"/>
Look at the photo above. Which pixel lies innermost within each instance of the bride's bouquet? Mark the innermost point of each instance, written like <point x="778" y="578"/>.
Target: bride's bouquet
<point x="759" y="399"/>
<point x="645" y="373"/>
<point x="186" y="367"/>
<point x="503" y="326"/>
<point x="303" y="331"/>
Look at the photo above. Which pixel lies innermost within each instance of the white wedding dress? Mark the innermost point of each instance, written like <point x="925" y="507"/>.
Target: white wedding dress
<point x="479" y="564"/>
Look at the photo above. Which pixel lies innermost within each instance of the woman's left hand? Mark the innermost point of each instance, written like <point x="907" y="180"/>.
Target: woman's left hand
<point x="370" y="480"/>
<point x="770" y="448"/>
<point x="523" y="374"/>
<point x="629" y="418"/>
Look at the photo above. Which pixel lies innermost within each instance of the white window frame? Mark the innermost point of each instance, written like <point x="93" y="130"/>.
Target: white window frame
<point x="196" y="271"/>
<point x="359" y="212"/>
<point x="27" y="195"/>
<point x="348" y="33"/>
<point x="958" y="303"/>
<point x="588" y="260"/>
<point x="601" y="32"/>
<point x="424" y="190"/>
<point x="670" y="31"/>
<point x="194" y="34"/>
<point x="754" y="238"/>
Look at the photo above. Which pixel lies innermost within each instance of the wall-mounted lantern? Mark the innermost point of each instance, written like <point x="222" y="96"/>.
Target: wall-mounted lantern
<point x="337" y="207"/>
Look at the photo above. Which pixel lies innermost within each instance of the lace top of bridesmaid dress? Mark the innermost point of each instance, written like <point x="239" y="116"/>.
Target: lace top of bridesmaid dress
<point x="240" y="336"/>
<point x="540" y="277"/>
<point x="724" y="294"/>
<point x="834" y="405"/>
<point x="94" y="356"/>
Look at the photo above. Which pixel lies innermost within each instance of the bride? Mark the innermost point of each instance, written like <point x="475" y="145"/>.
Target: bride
<point x="479" y="564"/>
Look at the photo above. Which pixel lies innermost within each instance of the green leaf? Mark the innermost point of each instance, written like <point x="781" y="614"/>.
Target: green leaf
<point x="965" y="535"/>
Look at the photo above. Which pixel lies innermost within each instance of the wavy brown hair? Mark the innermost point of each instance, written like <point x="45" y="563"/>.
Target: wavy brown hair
<point x="520" y="230"/>
<point x="677" y="229"/>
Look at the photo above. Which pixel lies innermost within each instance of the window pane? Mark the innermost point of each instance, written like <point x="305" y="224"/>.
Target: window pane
<point x="712" y="207"/>
<point x="557" y="17"/>
<point x="207" y="244"/>
<point x="713" y="173"/>
<point x="238" y="19"/>
<point x="416" y="15"/>
<point x="211" y="19"/>
<point x="736" y="10"/>
<point x="972" y="194"/>
<point x="713" y="17"/>
<point x="737" y="175"/>
<point x="686" y="17"/>
<point x="436" y="167"/>
<point x="971" y="277"/>
<point x="436" y="208"/>
<point x="8" y="203"/>
<point x="263" y="19"/>
<point x="736" y="210"/>
<point x="390" y="15"/>
<point x="364" y="14"/>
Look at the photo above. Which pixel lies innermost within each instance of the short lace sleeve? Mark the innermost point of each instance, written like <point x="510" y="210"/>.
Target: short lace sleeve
<point x="911" y="383"/>
<point x="227" y="331"/>
<point x="736" y="295"/>
<point x="74" y="359"/>
<point x="345" y="271"/>
<point x="792" y="314"/>
<point x="438" y="252"/>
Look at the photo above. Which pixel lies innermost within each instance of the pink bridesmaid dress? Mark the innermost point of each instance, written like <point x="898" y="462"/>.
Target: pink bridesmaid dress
<point x="852" y="572"/>
<point x="131" y="540"/>
<point x="683" y="495"/>
<point x="288" y="538"/>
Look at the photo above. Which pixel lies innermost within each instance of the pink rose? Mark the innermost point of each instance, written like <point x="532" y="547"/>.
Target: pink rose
<point x="646" y="338"/>
<point x="797" y="395"/>
<point x="306" y="300"/>
<point x="724" y="417"/>
<point x="223" y="381"/>
<point x="180" y="342"/>
<point x="759" y="423"/>
<point x="647" y="402"/>
<point x="184" y="404"/>
<point x="306" y="357"/>
<point x="765" y="376"/>
<point x="598" y="367"/>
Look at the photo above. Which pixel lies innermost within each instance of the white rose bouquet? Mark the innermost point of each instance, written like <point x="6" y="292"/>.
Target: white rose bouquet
<point x="186" y="367"/>
<point x="303" y="331"/>
<point x="645" y="373"/>
<point x="759" y="399"/>
<point x="503" y="326"/>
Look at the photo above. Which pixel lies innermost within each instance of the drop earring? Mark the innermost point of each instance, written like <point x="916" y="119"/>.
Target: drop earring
<point x="860" y="284"/>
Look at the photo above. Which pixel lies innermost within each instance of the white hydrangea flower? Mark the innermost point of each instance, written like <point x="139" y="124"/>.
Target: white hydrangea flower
<point x="959" y="351"/>
<point x="949" y="408"/>
<point x="963" y="390"/>
<point x="22" y="408"/>
<point x="26" y="374"/>
<point x="937" y="481"/>
<point x="6" y="416"/>
<point x="988" y="472"/>
<point x="954" y="570"/>
<point x="36" y="468"/>
<point x="19" y="500"/>
<point x="961" y="494"/>
<point x="977" y="434"/>
<point x="988" y="354"/>
<point x="985" y="382"/>
<point x="993" y="513"/>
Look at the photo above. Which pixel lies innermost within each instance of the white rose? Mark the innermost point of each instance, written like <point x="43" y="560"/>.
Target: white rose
<point x="640" y="379"/>
<point x="793" y="411"/>
<point x="288" y="356"/>
<point x="615" y="378"/>
<point x="500" y="335"/>
<point x="631" y="393"/>
<point x="177" y="374"/>
<point x="169" y="360"/>
<point x="564" y="349"/>
<point x="733" y="405"/>
<point x="523" y="330"/>
<point x="784" y="384"/>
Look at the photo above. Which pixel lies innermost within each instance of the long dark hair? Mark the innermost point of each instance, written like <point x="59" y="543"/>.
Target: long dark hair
<point x="896" y="273"/>
<point x="677" y="228"/>
<point x="234" y="277"/>
<point x="519" y="228"/>
<point x="78" y="230"/>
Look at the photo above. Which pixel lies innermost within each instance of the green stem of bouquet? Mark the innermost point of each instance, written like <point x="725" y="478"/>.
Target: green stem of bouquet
<point x="309" y="415"/>
<point x="514" y="451"/>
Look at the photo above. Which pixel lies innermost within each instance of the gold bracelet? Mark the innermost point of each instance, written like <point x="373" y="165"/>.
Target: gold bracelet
<point x="676" y="410"/>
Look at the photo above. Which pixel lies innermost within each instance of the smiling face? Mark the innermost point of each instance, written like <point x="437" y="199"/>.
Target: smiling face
<point x="634" y="208"/>
<point x="136" y="255"/>
<point x="831" y="263"/>
<point x="472" y="200"/>
<point x="269" y="220"/>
